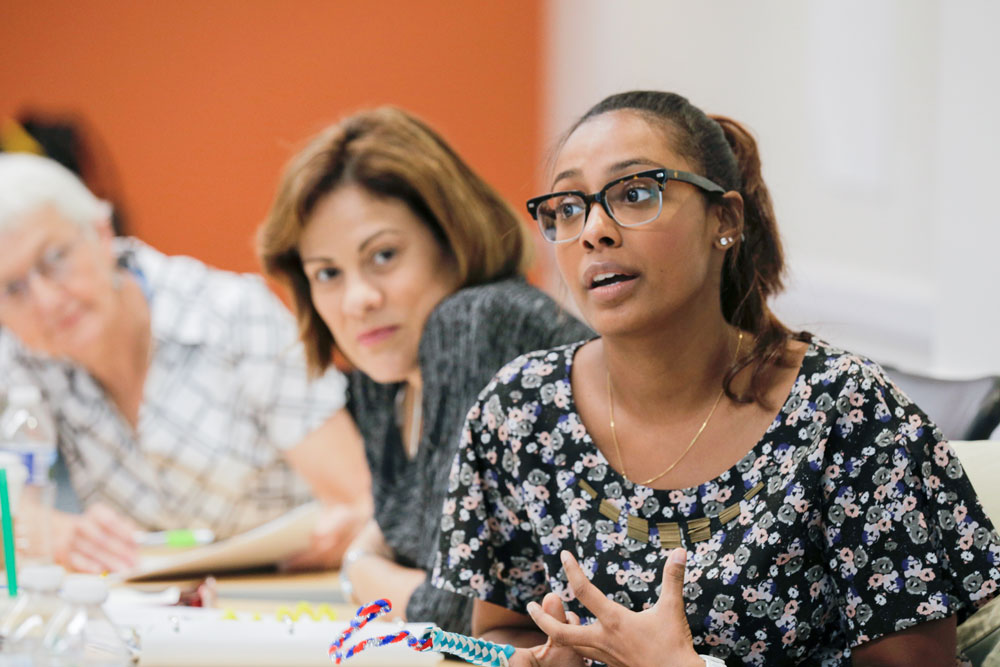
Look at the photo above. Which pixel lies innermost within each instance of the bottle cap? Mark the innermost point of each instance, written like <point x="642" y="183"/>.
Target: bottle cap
<point x="24" y="394"/>
<point x="84" y="589"/>
<point x="42" y="578"/>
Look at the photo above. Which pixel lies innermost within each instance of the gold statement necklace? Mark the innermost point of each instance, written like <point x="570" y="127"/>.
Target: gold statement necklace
<point x="614" y="435"/>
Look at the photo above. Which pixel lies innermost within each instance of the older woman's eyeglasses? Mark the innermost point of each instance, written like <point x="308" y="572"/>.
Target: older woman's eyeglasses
<point x="630" y="201"/>
<point x="54" y="265"/>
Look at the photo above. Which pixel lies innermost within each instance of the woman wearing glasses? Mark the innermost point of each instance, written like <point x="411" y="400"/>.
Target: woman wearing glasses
<point x="820" y="516"/>
<point x="180" y="397"/>
<point x="403" y="260"/>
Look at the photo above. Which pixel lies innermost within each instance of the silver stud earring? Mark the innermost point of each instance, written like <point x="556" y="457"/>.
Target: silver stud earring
<point x="724" y="241"/>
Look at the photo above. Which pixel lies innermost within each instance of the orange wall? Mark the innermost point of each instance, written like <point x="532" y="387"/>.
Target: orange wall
<point x="201" y="103"/>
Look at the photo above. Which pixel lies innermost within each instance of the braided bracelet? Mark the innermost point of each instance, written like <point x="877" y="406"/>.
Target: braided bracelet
<point x="476" y="651"/>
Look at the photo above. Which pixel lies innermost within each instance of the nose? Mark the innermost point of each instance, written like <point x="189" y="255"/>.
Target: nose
<point x="361" y="296"/>
<point x="600" y="229"/>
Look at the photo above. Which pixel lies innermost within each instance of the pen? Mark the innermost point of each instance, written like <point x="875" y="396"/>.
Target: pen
<point x="174" y="538"/>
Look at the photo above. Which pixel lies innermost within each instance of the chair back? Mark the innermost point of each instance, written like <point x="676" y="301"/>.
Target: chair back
<point x="962" y="409"/>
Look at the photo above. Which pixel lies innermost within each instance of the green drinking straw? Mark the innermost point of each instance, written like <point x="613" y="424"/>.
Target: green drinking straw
<point x="8" y="536"/>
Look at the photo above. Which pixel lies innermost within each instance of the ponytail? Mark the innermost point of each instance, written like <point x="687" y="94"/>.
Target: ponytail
<point x="753" y="269"/>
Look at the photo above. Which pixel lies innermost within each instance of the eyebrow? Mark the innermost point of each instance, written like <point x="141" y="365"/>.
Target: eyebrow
<point x="364" y="244"/>
<point x="616" y="167"/>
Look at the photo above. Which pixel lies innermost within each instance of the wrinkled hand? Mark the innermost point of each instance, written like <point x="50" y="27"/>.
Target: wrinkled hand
<point x="99" y="540"/>
<point x="549" y="654"/>
<point x="620" y="637"/>
<point x="335" y="529"/>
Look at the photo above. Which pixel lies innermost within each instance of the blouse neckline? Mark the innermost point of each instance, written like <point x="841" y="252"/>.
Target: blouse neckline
<point x="724" y="478"/>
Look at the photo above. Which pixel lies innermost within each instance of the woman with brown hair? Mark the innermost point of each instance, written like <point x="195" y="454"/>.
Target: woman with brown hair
<point x="819" y="514"/>
<point x="403" y="260"/>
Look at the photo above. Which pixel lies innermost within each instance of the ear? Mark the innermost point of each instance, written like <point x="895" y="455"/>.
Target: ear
<point x="728" y="218"/>
<point x="105" y="233"/>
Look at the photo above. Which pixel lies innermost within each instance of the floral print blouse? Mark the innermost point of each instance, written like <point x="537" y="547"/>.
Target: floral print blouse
<point x="850" y="519"/>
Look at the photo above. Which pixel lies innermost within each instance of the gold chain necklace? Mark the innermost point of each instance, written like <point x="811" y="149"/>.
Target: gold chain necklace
<point x="614" y="434"/>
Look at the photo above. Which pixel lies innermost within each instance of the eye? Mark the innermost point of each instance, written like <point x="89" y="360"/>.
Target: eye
<point x="638" y="193"/>
<point x="55" y="255"/>
<point x="383" y="256"/>
<point x="53" y="261"/>
<point x="567" y="208"/>
<point x="15" y="289"/>
<point x="325" y="274"/>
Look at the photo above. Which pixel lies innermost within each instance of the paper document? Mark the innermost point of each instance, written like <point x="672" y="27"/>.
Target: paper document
<point x="258" y="547"/>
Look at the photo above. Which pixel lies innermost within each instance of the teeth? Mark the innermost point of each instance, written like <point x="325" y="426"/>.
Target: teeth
<point x="605" y="276"/>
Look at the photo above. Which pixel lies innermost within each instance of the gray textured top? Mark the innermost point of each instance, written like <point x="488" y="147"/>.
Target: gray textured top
<point x="468" y="337"/>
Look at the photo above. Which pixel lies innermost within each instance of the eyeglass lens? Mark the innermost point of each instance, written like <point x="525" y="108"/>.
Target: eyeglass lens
<point x="635" y="201"/>
<point x="52" y="265"/>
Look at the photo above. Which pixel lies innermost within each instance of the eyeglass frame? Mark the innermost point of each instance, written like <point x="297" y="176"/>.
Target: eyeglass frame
<point x="51" y="264"/>
<point x="661" y="176"/>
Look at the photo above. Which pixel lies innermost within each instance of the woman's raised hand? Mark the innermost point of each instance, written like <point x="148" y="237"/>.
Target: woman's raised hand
<point x="620" y="637"/>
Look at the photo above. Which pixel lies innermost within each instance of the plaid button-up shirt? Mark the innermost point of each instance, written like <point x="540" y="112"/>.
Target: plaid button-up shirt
<point x="226" y="393"/>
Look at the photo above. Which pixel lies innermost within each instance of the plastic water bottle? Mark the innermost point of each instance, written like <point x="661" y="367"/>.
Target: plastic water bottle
<point x="81" y="634"/>
<point x="24" y="624"/>
<point x="27" y="429"/>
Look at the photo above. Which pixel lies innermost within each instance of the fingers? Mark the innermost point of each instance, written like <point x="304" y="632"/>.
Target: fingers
<point x="672" y="592"/>
<point x="333" y="532"/>
<point x="568" y="638"/>
<point x="117" y="527"/>
<point x="323" y="552"/>
<point x="336" y="529"/>
<point x="93" y="549"/>
<point x="523" y="658"/>
<point x="589" y="595"/>
<point x="301" y="562"/>
<point x="77" y="562"/>
<point x="673" y="573"/>
<point x="339" y="538"/>
<point x="115" y="522"/>
<point x="87" y="554"/>
<point x="567" y="641"/>
<point x="334" y="518"/>
<point x="553" y="623"/>
<point x="100" y="540"/>
<point x="553" y="606"/>
<point x="113" y="534"/>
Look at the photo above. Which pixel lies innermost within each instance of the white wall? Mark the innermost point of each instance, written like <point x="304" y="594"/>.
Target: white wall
<point x="879" y="127"/>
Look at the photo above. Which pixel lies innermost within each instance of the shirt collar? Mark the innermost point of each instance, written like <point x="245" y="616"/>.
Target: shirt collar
<point x="175" y="289"/>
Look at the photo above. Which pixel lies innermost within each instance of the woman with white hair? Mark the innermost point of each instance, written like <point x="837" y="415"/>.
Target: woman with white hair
<point x="180" y="395"/>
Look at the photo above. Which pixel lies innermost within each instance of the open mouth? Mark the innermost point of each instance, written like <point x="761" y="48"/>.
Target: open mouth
<point x="605" y="279"/>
